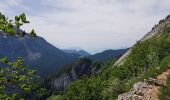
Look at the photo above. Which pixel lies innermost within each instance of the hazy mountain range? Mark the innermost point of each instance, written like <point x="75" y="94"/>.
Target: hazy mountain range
<point x="41" y="55"/>
<point x="36" y="52"/>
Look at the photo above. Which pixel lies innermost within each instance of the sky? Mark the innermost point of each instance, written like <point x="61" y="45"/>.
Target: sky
<point x="93" y="25"/>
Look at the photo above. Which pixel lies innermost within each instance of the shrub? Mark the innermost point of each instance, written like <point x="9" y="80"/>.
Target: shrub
<point x="32" y="33"/>
<point x="17" y="81"/>
<point x="165" y="91"/>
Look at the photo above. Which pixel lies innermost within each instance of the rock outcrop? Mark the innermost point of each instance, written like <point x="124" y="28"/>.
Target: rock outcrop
<point x="141" y="91"/>
<point x="148" y="90"/>
<point x="73" y="72"/>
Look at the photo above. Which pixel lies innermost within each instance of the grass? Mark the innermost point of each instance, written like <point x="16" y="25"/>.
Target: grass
<point x="165" y="91"/>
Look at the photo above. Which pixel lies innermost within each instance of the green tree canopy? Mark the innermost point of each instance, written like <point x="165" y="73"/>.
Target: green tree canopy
<point x="16" y="80"/>
<point x="12" y="28"/>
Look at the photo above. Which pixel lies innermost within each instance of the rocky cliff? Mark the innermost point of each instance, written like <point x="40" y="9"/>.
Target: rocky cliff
<point x="82" y="67"/>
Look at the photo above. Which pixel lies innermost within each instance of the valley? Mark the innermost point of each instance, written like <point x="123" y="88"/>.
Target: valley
<point x="31" y="68"/>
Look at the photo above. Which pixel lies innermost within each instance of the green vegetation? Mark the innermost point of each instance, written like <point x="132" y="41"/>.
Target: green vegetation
<point x="83" y="60"/>
<point x="11" y="27"/>
<point x="90" y="87"/>
<point x="32" y="33"/>
<point x="165" y="91"/>
<point x="56" y="98"/>
<point x="147" y="59"/>
<point x="17" y="81"/>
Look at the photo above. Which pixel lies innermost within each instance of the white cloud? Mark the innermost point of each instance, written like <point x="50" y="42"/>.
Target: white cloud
<point x="164" y="5"/>
<point x="94" y="24"/>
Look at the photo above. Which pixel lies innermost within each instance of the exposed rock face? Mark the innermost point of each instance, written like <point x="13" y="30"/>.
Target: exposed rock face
<point x="83" y="67"/>
<point x="141" y="91"/>
<point x="146" y="91"/>
<point x="155" y="31"/>
<point x="63" y="81"/>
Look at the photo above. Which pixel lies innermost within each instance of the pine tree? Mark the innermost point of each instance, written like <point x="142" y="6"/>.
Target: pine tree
<point x="32" y="33"/>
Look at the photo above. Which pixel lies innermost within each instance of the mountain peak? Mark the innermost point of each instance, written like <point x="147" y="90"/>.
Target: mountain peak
<point x="81" y="53"/>
<point x="36" y="52"/>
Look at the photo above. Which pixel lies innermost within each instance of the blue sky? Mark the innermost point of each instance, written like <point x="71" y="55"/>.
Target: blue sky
<point x="93" y="25"/>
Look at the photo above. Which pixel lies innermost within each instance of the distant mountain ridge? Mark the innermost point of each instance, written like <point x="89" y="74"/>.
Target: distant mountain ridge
<point x="36" y="52"/>
<point x="108" y="55"/>
<point x="101" y="57"/>
<point x="82" y="53"/>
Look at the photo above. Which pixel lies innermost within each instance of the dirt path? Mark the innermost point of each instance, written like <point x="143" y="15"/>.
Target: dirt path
<point x="163" y="77"/>
<point x="153" y="93"/>
<point x="146" y="91"/>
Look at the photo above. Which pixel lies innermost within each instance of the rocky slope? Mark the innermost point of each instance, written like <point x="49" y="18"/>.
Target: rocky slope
<point x="148" y="90"/>
<point x="36" y="52"/>
<point x="70" y="73"/>
<point x="155" y="31"/>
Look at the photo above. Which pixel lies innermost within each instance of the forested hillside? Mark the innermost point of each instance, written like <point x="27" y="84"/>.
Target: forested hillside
<point x="147" y="58"/>
<point x="72" y="72"/>
<point x="17" y="80"/>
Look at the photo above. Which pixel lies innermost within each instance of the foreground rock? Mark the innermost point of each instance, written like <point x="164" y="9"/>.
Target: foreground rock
<point x="148" y="90"/>
<point x="141" y="91"/>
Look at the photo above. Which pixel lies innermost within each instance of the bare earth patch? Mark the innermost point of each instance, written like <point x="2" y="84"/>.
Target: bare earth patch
<point x="146" y="91"/>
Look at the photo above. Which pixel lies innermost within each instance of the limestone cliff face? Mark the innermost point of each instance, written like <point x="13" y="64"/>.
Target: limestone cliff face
<point x="83" y="67"/>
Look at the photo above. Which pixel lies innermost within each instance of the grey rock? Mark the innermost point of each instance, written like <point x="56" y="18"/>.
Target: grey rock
<point x="139" y="89"/>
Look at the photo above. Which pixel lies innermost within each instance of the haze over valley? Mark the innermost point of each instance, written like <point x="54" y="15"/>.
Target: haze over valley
<point x="84" y="50"/>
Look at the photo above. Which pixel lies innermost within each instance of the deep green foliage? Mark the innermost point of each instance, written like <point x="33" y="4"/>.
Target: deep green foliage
<point x="91" y="87"/>
<point x="32" y="33"/>
<point x="86" y="89"/>
<point x="17" y="81"/>
<point x="58" y="97"/>
<point x="165" y="91"/>
<point x="12" y="28"/>
<point x="22" y="33"/>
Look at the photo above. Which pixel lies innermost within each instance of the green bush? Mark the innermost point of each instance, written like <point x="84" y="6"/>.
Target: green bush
<point x="58" y="97"/>
<point x="165" y="91"/>
<point x="17" y="81"/>
<point x="32" y="33"/>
